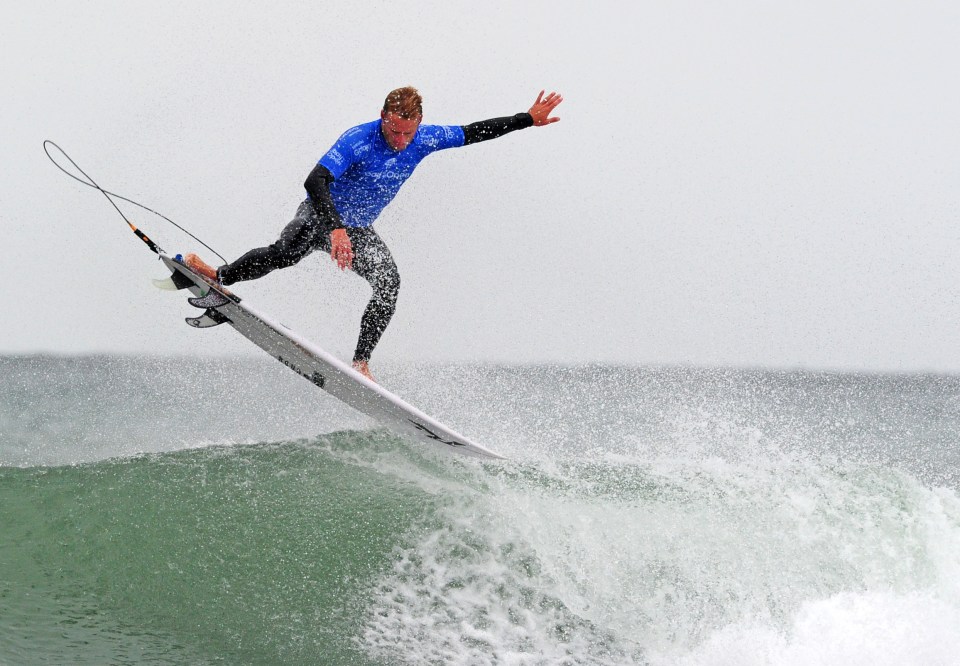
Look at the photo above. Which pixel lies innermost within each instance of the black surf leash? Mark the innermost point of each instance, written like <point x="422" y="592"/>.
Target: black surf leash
<point x="89" y="182"/>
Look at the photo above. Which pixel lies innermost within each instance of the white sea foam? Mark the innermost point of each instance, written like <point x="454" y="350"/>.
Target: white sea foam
<point x="784" y="561"/>
<point x="854" y="629"/>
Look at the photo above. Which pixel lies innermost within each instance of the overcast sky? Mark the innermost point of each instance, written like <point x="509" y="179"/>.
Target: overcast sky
<point x="747" y="183"/>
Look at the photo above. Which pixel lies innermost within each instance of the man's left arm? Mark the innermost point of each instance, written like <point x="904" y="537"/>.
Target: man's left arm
<point x="538" y="115"/>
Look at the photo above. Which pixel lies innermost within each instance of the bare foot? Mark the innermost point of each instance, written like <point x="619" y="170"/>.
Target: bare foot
<point x="363" y="369"/>
<point x="200" y="267"/>
<point x="205" y="270"/>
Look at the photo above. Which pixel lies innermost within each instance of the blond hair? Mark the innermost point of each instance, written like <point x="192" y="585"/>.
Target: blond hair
<point x="404" y="102"/>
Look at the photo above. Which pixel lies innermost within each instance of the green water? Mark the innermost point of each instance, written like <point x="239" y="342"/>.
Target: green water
<point x="256" y="554"/>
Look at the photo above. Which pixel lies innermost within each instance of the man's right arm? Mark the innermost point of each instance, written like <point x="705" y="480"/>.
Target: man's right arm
<point x="317" y="185"/>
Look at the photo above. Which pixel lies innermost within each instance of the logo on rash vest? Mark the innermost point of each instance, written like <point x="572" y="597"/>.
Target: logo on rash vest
<point x="432" y="435"/>
<point x="335" y="156"/>
<point x="315" y="378"/>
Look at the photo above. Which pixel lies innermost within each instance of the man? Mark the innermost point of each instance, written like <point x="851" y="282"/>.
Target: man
<point x="351" y="184"/>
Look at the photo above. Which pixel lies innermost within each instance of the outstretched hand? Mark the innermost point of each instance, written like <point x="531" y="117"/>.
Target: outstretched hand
<point x="543" y="107"/>
<point x="341" y="251"/>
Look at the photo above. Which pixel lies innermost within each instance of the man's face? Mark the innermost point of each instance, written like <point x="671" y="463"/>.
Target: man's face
<point x="398" y="132"/>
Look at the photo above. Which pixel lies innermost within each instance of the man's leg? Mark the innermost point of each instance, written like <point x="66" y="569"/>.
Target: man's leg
<point x="372" y="261"/>
<point x="301" y="236"/>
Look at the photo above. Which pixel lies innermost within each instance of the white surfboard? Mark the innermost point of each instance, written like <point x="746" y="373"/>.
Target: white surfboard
<point x="312" y="363"/>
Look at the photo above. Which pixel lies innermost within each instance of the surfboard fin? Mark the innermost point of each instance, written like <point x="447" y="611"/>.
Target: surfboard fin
<point x="208" y="319"/>
<point x="212" y="299"/>
<point x="175" y="282"/>
<point x="166" y="284"/>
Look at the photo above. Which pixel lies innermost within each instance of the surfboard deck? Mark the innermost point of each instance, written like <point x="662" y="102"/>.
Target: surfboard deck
<point x="317" y="366"/>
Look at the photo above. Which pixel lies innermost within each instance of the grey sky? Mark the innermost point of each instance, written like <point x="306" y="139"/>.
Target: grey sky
<point x="747" y="183"/>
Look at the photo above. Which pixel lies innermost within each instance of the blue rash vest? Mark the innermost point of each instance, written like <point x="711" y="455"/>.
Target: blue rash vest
<point x="368" y="173"/>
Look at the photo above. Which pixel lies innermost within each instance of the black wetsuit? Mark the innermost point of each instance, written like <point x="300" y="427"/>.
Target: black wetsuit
<point x="310" y="230"/>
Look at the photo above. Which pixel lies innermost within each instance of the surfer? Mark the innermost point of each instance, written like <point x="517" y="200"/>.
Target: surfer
<point x="350" y="186"/>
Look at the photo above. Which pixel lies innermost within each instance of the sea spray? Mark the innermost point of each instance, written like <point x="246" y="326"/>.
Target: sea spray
<point x="647" y="516"/>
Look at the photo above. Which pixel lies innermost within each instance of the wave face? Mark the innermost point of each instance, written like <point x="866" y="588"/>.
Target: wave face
<point x="202" y="512"/>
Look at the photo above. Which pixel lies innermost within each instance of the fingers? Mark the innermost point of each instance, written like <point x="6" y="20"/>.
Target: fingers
<point x="544" y="106"/>
<point x="343" y="255"/>
<point x="552" y="100"/>
<point x="345" y="259"/>
<point x="341" y="251"/>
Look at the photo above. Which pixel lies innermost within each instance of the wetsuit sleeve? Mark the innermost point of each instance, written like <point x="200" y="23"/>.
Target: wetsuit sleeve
<point x="485" y="130"/>
<point x="318" y="188"/>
